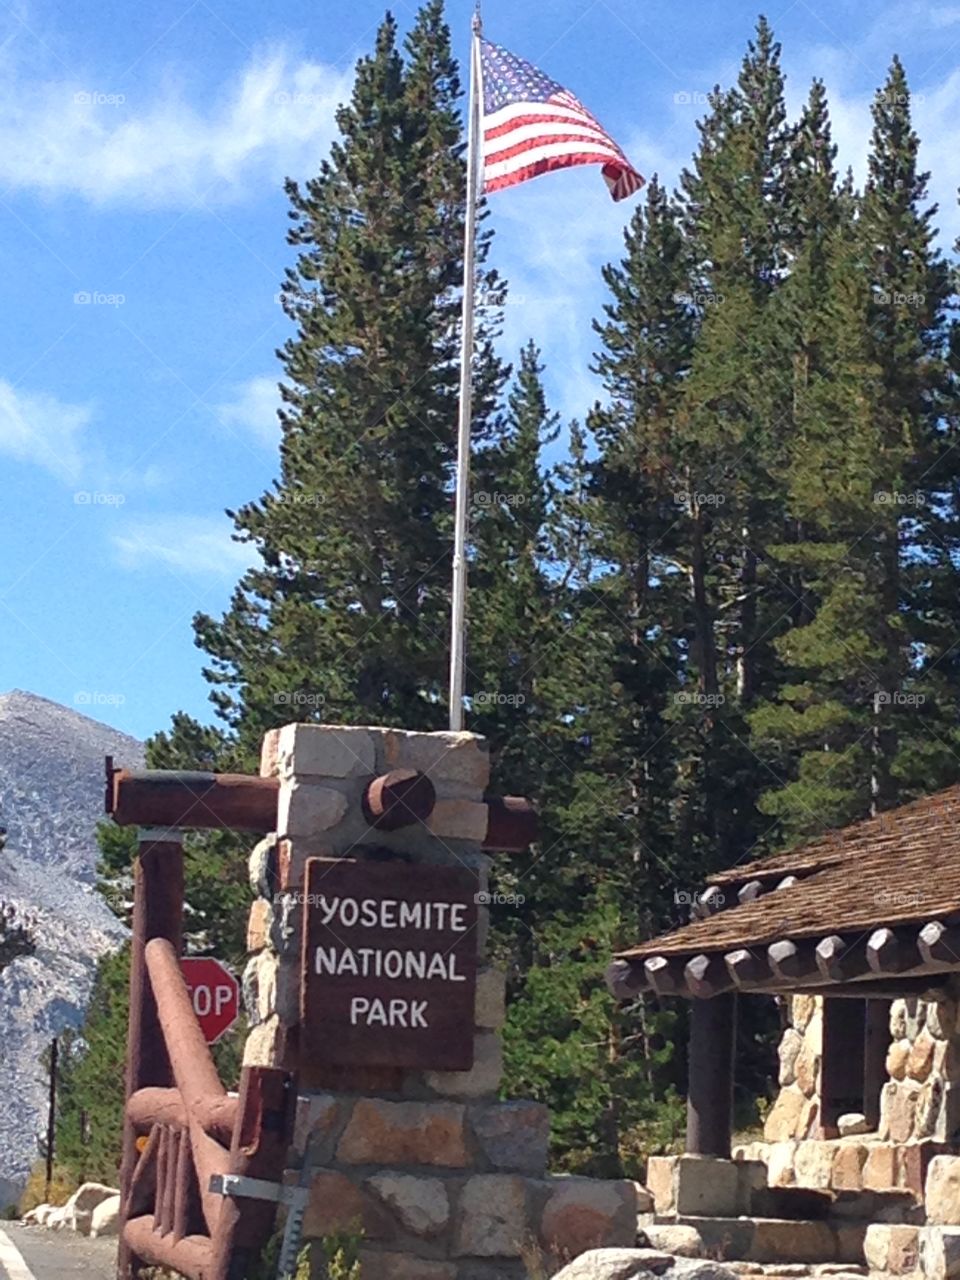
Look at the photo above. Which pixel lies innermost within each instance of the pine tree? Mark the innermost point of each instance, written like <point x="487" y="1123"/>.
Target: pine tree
<point x="346" y="619"/>
<point x="870" y="488"/>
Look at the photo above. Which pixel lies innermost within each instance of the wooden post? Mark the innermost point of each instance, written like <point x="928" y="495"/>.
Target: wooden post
<point x="713" y="1033"/>
<point x="876" y="1042"/>
<point x="157" y="913"/>
<point x="51" y="1116"/>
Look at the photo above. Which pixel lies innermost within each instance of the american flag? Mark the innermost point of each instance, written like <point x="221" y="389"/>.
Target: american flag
<point x="532" y="125"/>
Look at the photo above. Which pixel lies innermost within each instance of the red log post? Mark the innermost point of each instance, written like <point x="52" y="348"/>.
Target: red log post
<point x="157" y="913"/>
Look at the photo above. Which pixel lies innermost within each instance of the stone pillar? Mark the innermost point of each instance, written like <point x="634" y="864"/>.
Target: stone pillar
<point x="445" y="1181"/>
<point x="713" y="1033"/>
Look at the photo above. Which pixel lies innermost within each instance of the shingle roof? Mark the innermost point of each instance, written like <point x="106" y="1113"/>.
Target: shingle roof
<point x="901" y="867"/>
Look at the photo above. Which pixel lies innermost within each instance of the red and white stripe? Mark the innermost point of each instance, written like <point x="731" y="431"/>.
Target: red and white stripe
<point x="525" y="139"/>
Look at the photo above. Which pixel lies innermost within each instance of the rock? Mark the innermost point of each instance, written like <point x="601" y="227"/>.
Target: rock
<point x="894" y="1249"/>
<point x="269" y="749"/>
<point x="493" y="1217"/>
<point x="898" y="1019"/>
<point x="920" y="1058"/>
<point x="262" y="868"/>
<point x="807" y="1068"/>
<point x="490" y="1008"/>
<point x="939" y="1252"/>
<point x="264" y="1045"/>
<point x="403" y="1266"/>
<point x="784" y="1117"/>
<point x="644" y="1198"/>
<point x="398" y="1133"/>
<point x="634" y="1264"/>
<point x="258" y="924"/>
<point x="880" y="1168"/>
<point x="789" y="1047"/>
<point x="942" y="1019"/>
<point x="707" y="1186"/>
<point x="584" y="1213"/>
<point x="316" y="1121"/>
<point x="677" y="1238"/>
<point x="106" y="1218"/>
<point x="941" y="1194"/>
<point x="853" y="1122"/>
<point x="307" y="808"/>
<point x="267" y="966"/>
<point x="78" y="1211"/>
<point x="326" y="751"/>
<point x="459" y="820"/>
<point x="898" y="1104"/>
<point x="482" y="1078"/>
<point x="897" y="1057"/>
<point x="514" y="1136"/>
<point x="57" y="1219"/>
<point x="421" y="1204"/>
<point x="37" y="1216"/>
<point x="929" y="1101"/>
<point x="801" y="1011"/>
<point x="915" y="1013"/>
<point x="460" y="760"/>
<point x="782" y="1242"/>
<point x="847" y="1171"/>
<point x="780" y="1158"/>
<point x="661" y="1182"/>
<point x="337" y="1204"/>
<point x="813" y="1164"/>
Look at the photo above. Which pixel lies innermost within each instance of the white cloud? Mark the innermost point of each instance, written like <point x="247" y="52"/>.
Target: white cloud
<point x="72" y="137"/>
<point x="253" y="408"/>
<point x="37" y="427"/>
<point x="185" y="543"/>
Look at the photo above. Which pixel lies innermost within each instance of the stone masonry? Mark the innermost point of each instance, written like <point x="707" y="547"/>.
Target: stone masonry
<point x="444" y="1180"/>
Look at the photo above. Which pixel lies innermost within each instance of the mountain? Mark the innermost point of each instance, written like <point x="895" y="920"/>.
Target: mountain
<point x="51" y="799"/>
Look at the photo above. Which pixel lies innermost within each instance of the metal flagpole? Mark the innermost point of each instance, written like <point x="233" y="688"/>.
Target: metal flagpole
<point x="458" y="608"/>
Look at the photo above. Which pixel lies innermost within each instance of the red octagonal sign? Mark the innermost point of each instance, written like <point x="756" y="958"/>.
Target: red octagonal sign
<point x="215" y="993"/>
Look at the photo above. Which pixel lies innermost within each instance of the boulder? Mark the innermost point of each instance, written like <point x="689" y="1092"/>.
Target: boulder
<point x="942" y="1191"/>
<point x="677" y="1238"/>
<point x="585" y="1213"/>
<point x="77" y="1213"/>
<point x="37" y="1217"/>
<point x="852" y="1123"/>
<point x="635" y="1264"/>
<point x="105" y="1220"/>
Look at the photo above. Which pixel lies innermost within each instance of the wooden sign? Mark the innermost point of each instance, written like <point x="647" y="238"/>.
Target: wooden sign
<point x="389" y="965"/>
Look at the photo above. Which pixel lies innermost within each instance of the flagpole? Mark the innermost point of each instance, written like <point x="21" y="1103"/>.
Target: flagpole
<point x="458" y="607"/>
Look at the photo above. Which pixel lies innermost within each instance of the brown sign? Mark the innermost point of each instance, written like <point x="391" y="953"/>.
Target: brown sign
<point x="389" y="964"/>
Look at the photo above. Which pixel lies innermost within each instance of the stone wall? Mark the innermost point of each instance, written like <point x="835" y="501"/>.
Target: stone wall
<point x="919" y="1104"/>
<point x="444" y="1180"/>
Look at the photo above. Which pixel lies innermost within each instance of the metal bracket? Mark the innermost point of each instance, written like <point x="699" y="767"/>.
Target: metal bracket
<point x="235" y="1185"/>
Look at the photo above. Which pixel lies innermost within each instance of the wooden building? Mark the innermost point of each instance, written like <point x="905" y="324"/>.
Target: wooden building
<point x="859" y="933"/>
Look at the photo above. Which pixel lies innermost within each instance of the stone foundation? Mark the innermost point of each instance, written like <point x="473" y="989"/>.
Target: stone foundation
<point x="443" y="1180"/>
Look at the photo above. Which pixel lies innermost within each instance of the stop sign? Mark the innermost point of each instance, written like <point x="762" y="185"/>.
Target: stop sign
<point x="215" y="993"/>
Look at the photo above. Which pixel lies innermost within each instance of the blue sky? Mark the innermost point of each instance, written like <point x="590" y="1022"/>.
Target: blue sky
<point x="142" y="223"/>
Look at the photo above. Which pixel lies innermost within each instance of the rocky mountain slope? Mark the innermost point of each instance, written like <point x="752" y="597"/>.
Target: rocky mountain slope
<point x="51" y="799"/>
